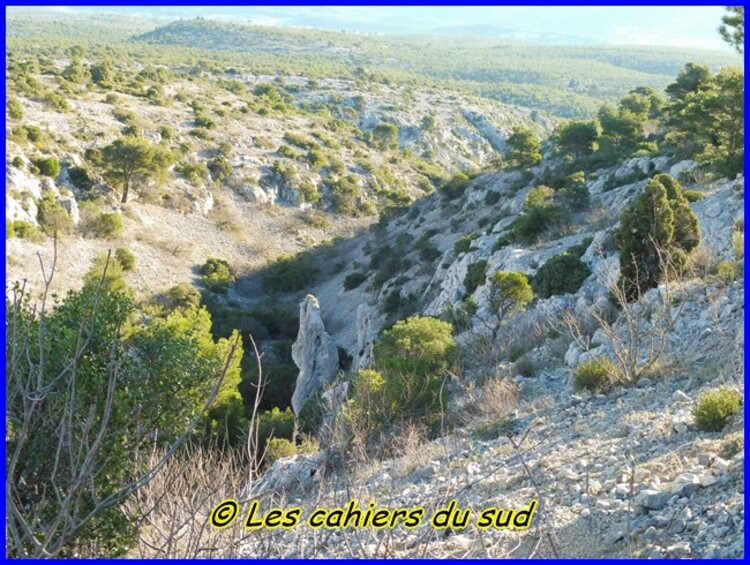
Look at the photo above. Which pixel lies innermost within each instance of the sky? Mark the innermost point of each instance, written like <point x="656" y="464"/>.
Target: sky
<point x="681" y="26"/>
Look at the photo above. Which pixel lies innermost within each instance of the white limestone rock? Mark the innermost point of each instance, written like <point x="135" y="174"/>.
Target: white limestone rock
<point x="314" y="353"/>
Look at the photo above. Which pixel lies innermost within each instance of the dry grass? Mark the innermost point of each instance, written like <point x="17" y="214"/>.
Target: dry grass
<point x="499" y="398"/>
<point x="227" y="219"/>
<point x="172" y="511"/>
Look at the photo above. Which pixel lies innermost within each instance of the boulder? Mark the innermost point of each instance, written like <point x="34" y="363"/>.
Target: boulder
<point x="70" y="205"/>
<point x="290" y="474"/>
<point x="678" y="168"/>
<point x="314" y="353"/>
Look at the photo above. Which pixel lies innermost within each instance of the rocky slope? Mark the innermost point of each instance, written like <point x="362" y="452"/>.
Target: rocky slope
<point x="621" y="474"/>
<point x="268" y="141"/>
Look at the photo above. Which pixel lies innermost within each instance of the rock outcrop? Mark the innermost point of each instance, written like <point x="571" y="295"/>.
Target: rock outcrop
<point x="364" y="337"/>
<point x="314" y="353"/>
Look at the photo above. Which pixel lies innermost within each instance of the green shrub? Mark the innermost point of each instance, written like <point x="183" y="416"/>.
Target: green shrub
<point x="9" y="231"/>
<point x="561" y="274"/>
<point x="463" y="245"/>
<point x="316" y="157"/>
<point x="33" y="133"/>
<point x="524" y="367"/>
<point x="491" y="198"/>
<point x="290" y="272"/>
<point x="26" y="230"/>
<point x="353" y="280"/>
<point x="308" y="192"/>
<point x="204" y="122"/>
<point x="15" y="110"/>
<point x="392" y="301"/>
<point x="516" y="352"/>
<point x="288" y="152"/>
<point x="316" y="219"/>
<point x="216" y="274"/>
<point x="107" y="224"/>
<point x="275" y="423"/>
<point x="126" y="258"/>
<point x="220" y="168"/>
<point x="656" y="233"/>
<point x="113" y="278"/>
<point x="194" y="173"/>
<point x="475" y="276"/>
<point x="528" y="227"/>
<point x="729" y="271"/>
<point x="299" y="141"/>
<point x="714" y="407"/>
<point x="460" y="316"/>
<point x="694" y="195"/>
<point x="17" y="162"/>
<point x="124" y="116"/>
<point x="278" y="448"/>
<point x="48" y="166"/>
<point x="455" y="187"/>
<point x="52" y="217"/>
<point x="183" y="295"/>
<point x="595" y="374"/>
<point x="80" y="178"/>
<point x="412" y="357"/>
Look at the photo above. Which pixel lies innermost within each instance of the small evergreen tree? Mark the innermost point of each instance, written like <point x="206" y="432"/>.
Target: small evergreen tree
<point x="655" y="233"/>
<point x="523" y="148"/>
<point x="510" y="292"/>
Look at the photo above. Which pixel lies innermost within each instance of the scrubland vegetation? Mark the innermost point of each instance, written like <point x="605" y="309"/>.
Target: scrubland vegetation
<point x="111" y="386"/>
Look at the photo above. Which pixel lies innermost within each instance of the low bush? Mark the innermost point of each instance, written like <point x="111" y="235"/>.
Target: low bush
<point x="714" y="407"/>
<point x="460" y="316"/>
<point x="278" y="448"/>
<point x="216" y="274"/>
<point x="595" y="374"/>
<point x="112" y="278"/>
<point x="561" y="274"/>
<point x="194" y="173"/>
<point x="290" y="272"/>
<point x="107" y="224"/>
<point x="26" y="230"/>
<point x="475" y="276"/>
<point x="48" y="166"/>
<point x="693" y="195"/>
<point x="353" y="280"/>
<point x="15" y="110"/>
<point x="455" y="187"/>
<point x="524" y="367"/>
<point x="52" y="217"/>
<point x="413" y="355"/>
<point x="316" y="219"/>
<point x="463" y="245"/>
<point x="729" y="271"/>
<point x="182" y="295"/>
<point x="80" y="178"/>
<point x="204" y="122"/>
<point x="491" y="198"/>
<point x="126" y="258"/>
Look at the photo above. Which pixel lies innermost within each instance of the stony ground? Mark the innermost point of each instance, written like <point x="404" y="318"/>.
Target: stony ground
<point x="622" y="474"/>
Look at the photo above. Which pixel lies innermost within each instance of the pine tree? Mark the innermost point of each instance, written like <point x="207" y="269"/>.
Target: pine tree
<point x="656" y="233"/>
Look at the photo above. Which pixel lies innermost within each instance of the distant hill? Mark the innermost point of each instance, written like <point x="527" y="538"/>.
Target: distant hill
<point x="565" y="80"/>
